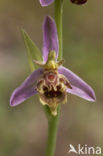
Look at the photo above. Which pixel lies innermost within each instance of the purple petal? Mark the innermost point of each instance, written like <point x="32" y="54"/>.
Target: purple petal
<point x="50" y="37"/>
<point x="79" y="87"/>
<point x="26" y="89"/>
<point x="46" y="2"/>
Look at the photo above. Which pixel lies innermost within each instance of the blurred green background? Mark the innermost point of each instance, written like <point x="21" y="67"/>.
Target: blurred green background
<point x="23" y="129"/>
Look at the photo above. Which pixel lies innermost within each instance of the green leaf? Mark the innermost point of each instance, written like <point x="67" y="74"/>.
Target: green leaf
<point x="33" y="52"/>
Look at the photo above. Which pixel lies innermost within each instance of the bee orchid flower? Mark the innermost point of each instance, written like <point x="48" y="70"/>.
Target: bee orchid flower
<point x="48" y="2"/>
<point x="52" y="81"/>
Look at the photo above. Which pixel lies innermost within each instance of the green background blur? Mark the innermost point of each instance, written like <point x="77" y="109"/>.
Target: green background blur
<point x="23" y="129"/>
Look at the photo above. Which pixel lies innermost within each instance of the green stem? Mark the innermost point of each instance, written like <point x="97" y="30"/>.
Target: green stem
<point x="52" y="132"/>
<point x="53" y="121"/>
<point x="58" y="19"/>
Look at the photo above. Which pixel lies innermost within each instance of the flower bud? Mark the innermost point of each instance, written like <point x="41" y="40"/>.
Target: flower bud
<point x="79" y="2"/>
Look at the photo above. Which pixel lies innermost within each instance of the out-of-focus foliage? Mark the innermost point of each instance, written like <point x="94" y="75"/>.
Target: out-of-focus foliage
<point x="23" y="129"/>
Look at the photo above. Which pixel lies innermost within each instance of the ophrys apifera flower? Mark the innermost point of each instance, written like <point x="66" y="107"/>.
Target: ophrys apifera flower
<point x="52" y="81"/>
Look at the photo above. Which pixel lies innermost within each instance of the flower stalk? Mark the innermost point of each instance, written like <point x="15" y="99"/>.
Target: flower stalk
<point x="52" y="133"/>
<point x="53" y="120"/>
<point x="58" y="9"/>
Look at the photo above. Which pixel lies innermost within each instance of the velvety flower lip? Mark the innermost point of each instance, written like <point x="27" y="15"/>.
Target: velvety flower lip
<point x="79" y="87"/>
<point x="46" y="2"/>
<point x="50" y="37"/>
<point x="26" y="89"/>
<point x="50" y="46"/>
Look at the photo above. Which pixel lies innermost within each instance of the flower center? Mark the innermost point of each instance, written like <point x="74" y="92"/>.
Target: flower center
<point x="51" y="77"/>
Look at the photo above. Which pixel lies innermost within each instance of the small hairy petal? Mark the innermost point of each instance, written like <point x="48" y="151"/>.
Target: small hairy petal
<point x="79" y="87"/>
<point x="26" y="89"/>
<point x="46" y="2"/>
<point x="50" y="37"/>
